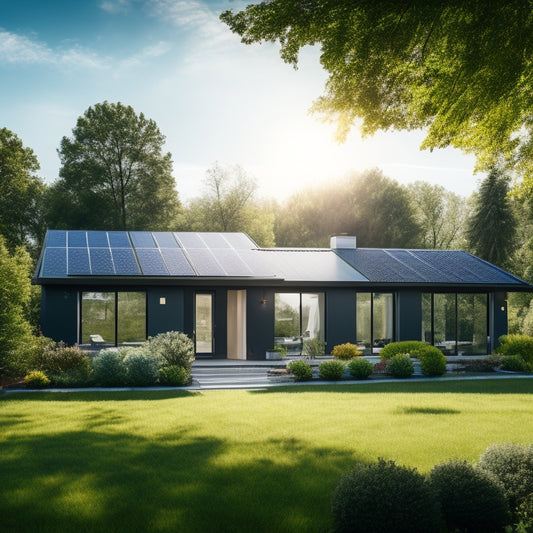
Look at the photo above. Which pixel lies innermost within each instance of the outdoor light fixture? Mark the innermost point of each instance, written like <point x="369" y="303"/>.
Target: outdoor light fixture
<point x="263" y="301"/>
<point x="502" y="307"/>
<point x="162" y="301"/>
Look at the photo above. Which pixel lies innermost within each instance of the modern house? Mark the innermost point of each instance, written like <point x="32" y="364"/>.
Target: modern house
<point x="237" y="300"/>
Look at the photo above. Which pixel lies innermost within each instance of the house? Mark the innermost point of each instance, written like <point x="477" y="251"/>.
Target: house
<point x="237" y="300"/>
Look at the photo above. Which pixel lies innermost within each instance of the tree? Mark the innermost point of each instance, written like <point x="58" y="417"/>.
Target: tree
<point x="20" y="192"/>
<point x="114" y="174"/>
<point x="441" y="215"/>
<point x="492" y="227"/>
<point x="462" y="68"/>
<point x="228" y="205"/>
<point x="15" y="290"/>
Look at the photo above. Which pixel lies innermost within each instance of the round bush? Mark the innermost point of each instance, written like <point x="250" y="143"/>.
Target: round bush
<point x="470" y="500"/>
<point x="385" y="498"/>
<point x="109" y="369"/>
<point x="141" y="369"/>
<point x="36" y="380"/>
<point x="345" y="351"/>
<point x="512" y="465"/>
<point x="61" y="358"/>
<point x="175" y="376"/>
<point x="331" y="370"/>
<point x="173" y="348"/>
<point x="401" y="366"/>
<point x="360" y="368"/>
<point x="301" y="370"/>
<point x="516" y="345"/>
<point x="514" y="363"/>
<point x="413" y="348"/>
<point x="432" y="361"/>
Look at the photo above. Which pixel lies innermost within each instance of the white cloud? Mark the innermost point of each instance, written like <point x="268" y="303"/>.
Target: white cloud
<point x="115" y="6"/>
<point x="149" y="52"/>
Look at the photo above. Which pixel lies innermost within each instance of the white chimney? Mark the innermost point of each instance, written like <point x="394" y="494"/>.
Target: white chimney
<point x="343" y="242"/>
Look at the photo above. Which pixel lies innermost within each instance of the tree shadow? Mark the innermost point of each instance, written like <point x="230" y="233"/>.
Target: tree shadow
<point x="427" y="411"/>
<point x="102" y="395"/>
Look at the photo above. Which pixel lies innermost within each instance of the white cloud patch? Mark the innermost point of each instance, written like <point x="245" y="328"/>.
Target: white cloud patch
<point x="115" y="6"/>
<point x="150" y="52"/>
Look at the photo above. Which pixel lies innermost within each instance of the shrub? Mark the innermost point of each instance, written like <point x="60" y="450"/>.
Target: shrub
<point x="173" y="348"/>
<point x="62" y="358"/>
<point x="76" y="377"/>
<point x="401" y="366"/>
<point x="514" y="363"/>
<point x="471" y="501"/>
<point x="360" y="368"/>
<point x="512" y="465"/>
<point x="108" y="368"/>
<point x="36" y="380"/>
<point x="432" y="361"/>
<point x="141" y="369"/>
<point x="381" y="367"/>
<point x="385" y="497"/>
<point x="301" y="369"/>
<point x="175" y="376"/>
<point x="30" y="354"/>
<point x="314" y="347"/>
<point x="413" y="348"/>
<point x="331" y="370"/>
<point x="346" y="351"/>
<point x="524" y="515"/>
<point x="516" y="345"/>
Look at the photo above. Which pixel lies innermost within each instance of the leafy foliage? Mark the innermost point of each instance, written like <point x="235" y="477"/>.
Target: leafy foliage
<point x="345" y="351"/>
<point x="470" y="500"/>
<point x="384" y="497"/>
<point x="512" y="465"/>
<point x="114" y="174"/>
<point x="36" y="380"/>
<point x="400" y="366"/>
<point x="314" y="347"/>
<point x="516" y="345"/>
<point x="360" y="368"/>
<point x="174" y="348"/>
<point x="413" y="348"/>
<point x="432" y="362"/>
<point x="514" y="363"/>
<point x="175" y="376"/>
<point x="331" y="370"/>
<point x="109" y="369"/>
<point x="60" y="358"/>
<point x="141" y="369"/>
<point x="301" y="369"/>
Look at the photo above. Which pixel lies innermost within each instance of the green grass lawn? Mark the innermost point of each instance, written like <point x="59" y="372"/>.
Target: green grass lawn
<point x="236" y="461"/>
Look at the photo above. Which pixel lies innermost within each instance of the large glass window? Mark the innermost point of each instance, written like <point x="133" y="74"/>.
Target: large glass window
<point x="298" y="317"/>
<point x="204" y="323"/>
<point x="456" y="323"/>
<point x="111" y="318"/>
<point x="374" y="321"/>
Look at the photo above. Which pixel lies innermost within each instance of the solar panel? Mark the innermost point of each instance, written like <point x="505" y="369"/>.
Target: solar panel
<point x="125" y="262"/>
<point x="101" y="262"/>
<point x="204" y="262"/>
<point x="176" y="262"/>
<point x="76" y="239"/>
<point x="214" y="240"/>
<point x="54" y="263"/>
<point x="56" y="238"/>
<point x="97" y="239"/>
<point x="142" y="239"/>
<point x="152" y="263"/>
<point x="165" y="240"/>
<point x="78" y="262"/>
<point x="119" y="239"/>
<point x="240" y="241"/>
<point x="190" y="240"/>
<point x="232" y="264"/>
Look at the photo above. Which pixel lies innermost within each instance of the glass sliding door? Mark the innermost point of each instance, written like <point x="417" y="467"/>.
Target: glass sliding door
<point x="472" y="324"/>
<point x="374" y="327"/>
<point x="203" y="316"/>
<point x="98" y="318"/>
<point x="382" y="325"/>
<point x="444" y="322"/>
<point x="131" y="323"/>
<point x="363" y="329"/>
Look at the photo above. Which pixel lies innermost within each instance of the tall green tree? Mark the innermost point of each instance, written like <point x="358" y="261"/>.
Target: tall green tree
<point x="15" y="290"/>
<point x="229" y="204"/>
<point x="21" y="192"/>
<point x="492" y="227"/>
<point x="462" y="69"/>
<point x="441" y="215"/>
<point x="114" y="174"/>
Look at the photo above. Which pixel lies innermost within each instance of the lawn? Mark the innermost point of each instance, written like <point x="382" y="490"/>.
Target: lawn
<point x="239" y="461"/>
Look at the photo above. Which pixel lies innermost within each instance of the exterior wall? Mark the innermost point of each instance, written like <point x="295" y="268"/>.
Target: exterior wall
<point x="59" y="313"/>
<point x="259" y="322"/>
<point x="497" y="317"/>
<point x="340" y="317"/>
<point x="408" y="315"/>
<point x="169" y="316"/>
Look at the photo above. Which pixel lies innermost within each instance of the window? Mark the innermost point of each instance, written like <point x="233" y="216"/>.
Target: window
<point x="298" y="317"/>
<point x="374" y="320"/>
<point x="113" y="318"/>
<point x="456" y="323"/>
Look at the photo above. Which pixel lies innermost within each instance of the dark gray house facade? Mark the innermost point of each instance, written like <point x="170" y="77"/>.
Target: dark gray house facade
<point x="237" y="300"/>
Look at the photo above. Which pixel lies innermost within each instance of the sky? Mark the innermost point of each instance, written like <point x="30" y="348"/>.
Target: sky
<point x="215" y="99"/>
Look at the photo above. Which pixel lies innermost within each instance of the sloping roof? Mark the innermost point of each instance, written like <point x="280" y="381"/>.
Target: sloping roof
<point x="439" y="267"/>
<point x="134" y="256"/>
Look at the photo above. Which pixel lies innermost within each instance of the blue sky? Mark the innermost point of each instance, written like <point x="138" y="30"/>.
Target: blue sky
<point x="213" y="98"/>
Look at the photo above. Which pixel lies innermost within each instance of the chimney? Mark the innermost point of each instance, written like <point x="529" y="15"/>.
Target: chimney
<point x="343" y="242"/>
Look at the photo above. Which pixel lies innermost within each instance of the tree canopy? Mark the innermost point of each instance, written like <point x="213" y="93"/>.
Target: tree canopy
<point x="21" y="191"/>
<point x="462" y="69"/>
<point x="114" y="174"/>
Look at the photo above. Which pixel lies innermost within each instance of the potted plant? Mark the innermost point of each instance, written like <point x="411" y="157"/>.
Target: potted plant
<point x="276" y="353"/>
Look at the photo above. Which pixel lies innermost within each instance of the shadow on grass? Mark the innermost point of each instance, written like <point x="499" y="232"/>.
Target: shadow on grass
<point x="101" y="396"/>
<point x="467" y="386"/>
<point x="427" y="411"/>
<point x="94" y="481"/>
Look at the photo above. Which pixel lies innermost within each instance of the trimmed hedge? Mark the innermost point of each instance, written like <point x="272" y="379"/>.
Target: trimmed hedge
<point x="141" y="369"/>
<point x="109" y="369"/>
<point x="36" y="380"/>
<point x="514" y="363"/>
<point x="172" y="348"/>
<point x="346" y="351"/>
<point x="360" y="368"/>
<point x="413" y="348"/>
<point x="516" y="345"/>
<point x="331" y="370"/>
<point x="385" y="498"/>
<point x="401" y="366"/>
<point x="432" y="362"/>
<point x="301" y="370"/>
<point x="175" y="376"/>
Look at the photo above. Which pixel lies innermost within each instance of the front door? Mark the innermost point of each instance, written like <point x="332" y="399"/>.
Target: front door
<point x="204" y="323"/>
